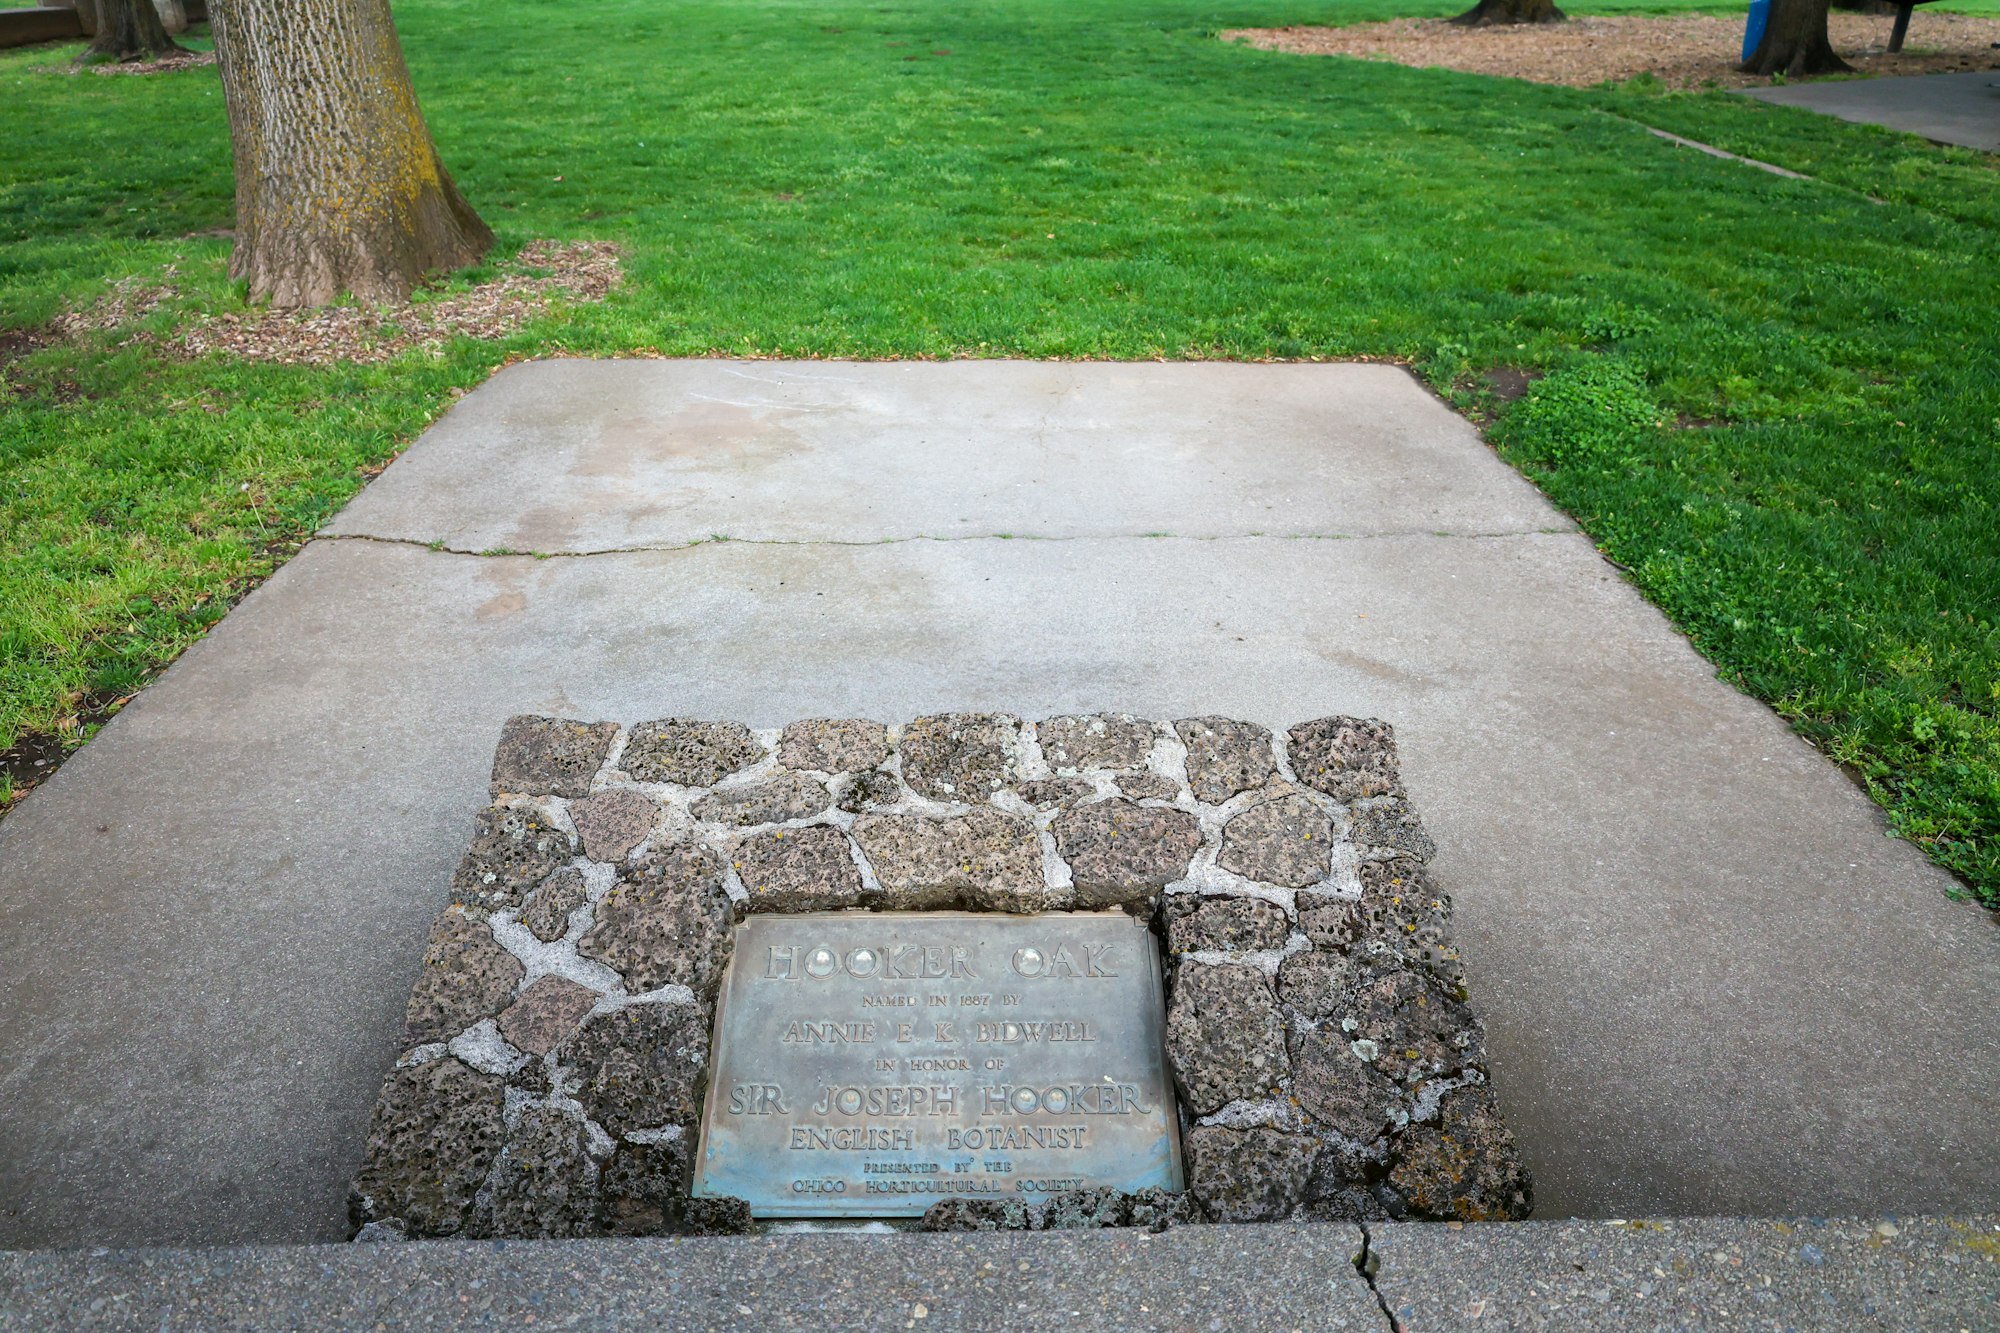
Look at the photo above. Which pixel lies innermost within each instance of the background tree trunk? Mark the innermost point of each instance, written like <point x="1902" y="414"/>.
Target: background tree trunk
<point x="1491" y="12"/>
<point x="338" y="185"/>
<point x="1795" y="41"/>
<point x="128" y="30"/>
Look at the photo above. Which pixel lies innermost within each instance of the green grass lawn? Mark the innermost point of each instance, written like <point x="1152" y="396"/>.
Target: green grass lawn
<point x="1775" y="402"/>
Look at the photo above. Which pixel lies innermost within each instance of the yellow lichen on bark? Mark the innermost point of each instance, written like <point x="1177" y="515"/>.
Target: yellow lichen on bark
<point x="338" y="185"/>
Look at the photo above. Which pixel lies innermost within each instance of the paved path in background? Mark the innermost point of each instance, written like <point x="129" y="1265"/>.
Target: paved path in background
<point x="1711" y="983"/>
<point x="1720" y="1274"/>
<point x="1963" y="109"/>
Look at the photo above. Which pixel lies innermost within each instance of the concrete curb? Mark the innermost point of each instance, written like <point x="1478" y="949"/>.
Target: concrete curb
<point x="1733" y="1273"/>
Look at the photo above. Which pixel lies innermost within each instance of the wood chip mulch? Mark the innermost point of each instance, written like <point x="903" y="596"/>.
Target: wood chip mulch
<point x="543" y="273"/>
<point x="164" y="65"/>
<point x="1692" y="51"/>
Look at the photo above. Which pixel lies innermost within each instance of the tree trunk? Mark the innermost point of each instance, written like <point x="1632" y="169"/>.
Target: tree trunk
<point x="1795" y="41"/>
<point x="1488" y="13"/>
<point x="128" y="30"/>
<point x="338" y="185"/>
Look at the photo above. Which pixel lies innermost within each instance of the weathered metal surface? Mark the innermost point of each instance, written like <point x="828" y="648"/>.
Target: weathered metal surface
<point x="869" y="1064"/>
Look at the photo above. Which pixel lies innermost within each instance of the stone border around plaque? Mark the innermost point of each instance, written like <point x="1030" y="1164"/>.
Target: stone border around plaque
<point x="1318" y="1034"/>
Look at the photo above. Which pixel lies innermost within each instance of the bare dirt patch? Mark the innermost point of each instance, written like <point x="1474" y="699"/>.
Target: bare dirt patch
<point x="543" y="273"/>
<point x="1691" y="51"/>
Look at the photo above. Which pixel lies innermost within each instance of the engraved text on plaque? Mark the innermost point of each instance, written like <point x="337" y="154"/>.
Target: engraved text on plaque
<point x="872" y="1063"/>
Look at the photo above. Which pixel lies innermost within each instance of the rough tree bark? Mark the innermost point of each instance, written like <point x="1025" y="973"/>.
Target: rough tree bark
<point x="1795" y="41"/>
<point x="1489" y="13"/>
<point x="128" y="30"/>
<point x="338" y="185"/>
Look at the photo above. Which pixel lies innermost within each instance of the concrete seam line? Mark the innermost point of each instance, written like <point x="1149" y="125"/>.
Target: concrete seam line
<point x="1713" y="151"/>
<point x="491" y="553"/>
<point x="1728" y="156"/>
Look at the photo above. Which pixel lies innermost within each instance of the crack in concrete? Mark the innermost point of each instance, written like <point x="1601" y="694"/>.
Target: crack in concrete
<point x="1368" y="1264"/>
<point x="442" y="548"/>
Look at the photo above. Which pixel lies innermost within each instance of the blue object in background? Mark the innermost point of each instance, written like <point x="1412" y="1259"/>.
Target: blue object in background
<point x="1753" y="31"/>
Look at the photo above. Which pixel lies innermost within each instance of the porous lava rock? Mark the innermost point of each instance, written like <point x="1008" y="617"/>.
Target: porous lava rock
<point x="1228" y="925"/>
<point x="1391" y="826"/>
<point x="1225" y="757"/>
<point x="1348" y="758"/>
<point x="1070" y="1210"/>
<point x="644" y="1186"/>
<point x="1148" y="787"/>
<point x="1157" y="1209"/>
<point x="976" y="1215"/>
<point x="550" y="756"/>
<point x="1328" y="1061"/>
<point x="960" y="756"/>
<point x="1400" y="913"/>
<point x="467" y="976"/>
<point x="547" y="1012"/>
<point x="833" y="745"/>
<point x="1096" y="740"/>
<point x="773" y="801"/>
<point x="1339" y="1089"/>
<point x="1084" y="1210"/>
<point x="798" y="870"/>
<point x="1224" y="1036"/>
<point x="1346" y="1185"/>
<point x="640" y="1067"/>
<point x="689" y="752"/>
<point x="613" y="822"/>
<point x="1405" y="1024"/>
<point x="431" y="1142"/>
<point x="546" y="913"/>
<point x="1319" y="983"/>
<point x="716" y="1217"/>
<point x="873" y="790"/>
<point x="1248" y="1175"/>
<point x="544" y="1183"/>
<point x="1053" y="793"/>
<point x="666" y="923"/>
<point x="984" y="859"/>
<point x="1119" y="852"/>
<point x="514" y="848"/>
<point x="1464" y="1165"/>
<point x="1286" y="840"/>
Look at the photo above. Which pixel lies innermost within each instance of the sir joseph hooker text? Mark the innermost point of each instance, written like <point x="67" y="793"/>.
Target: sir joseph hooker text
<point x="873" y="1065"/>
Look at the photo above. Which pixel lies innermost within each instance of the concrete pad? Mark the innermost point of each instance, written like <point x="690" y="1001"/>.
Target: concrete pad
<point x="1720" y="1273"/>
<point x="1711" y="983"/>
<point x="582" y="456"/>
<point x="1292" y="1278"/>
<point x="1962" y="109"/>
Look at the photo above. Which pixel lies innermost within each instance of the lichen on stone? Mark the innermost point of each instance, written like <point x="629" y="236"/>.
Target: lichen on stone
<point x="467" y="975"/>
<point x="1119" y="852"/>
<point x="689" y="752"/>
<point x="1225" y="757"/>
<point x="833" y="745"/>
<point x="550" y="756"/>
<point x="774" y="801"/>
<point x="1096" y="740"/>
<point x="961" y="756"/>
<point x="1320" y="1040"/>
<point x="798" y="870"/>
<point x="514" y="848"/>
<point x="666" y="922"/>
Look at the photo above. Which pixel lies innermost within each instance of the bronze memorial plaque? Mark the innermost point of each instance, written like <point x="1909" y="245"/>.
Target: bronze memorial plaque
<point x="869" y="1064"/>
